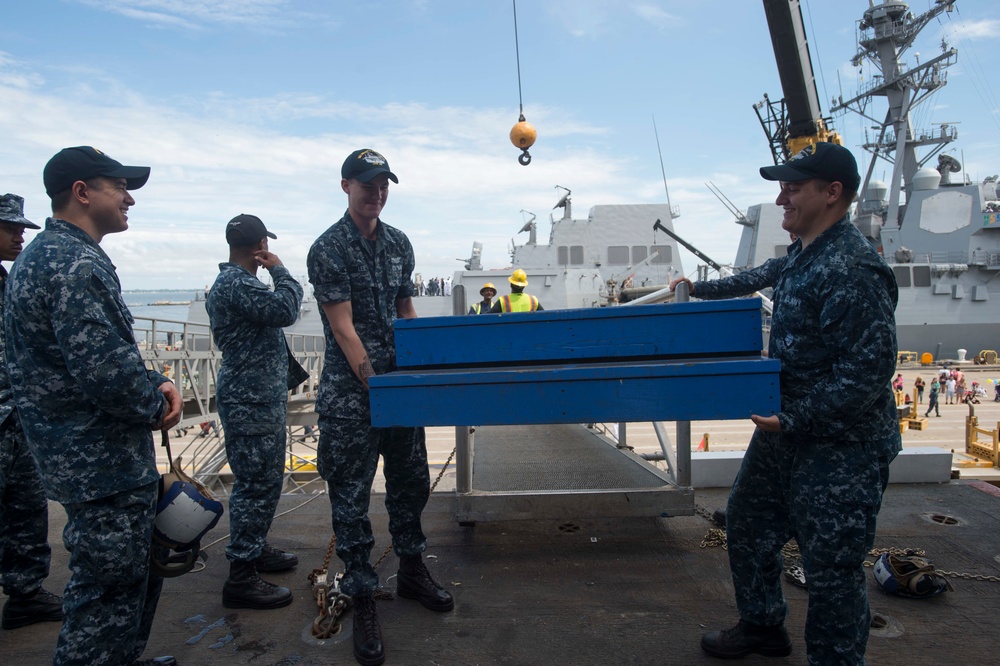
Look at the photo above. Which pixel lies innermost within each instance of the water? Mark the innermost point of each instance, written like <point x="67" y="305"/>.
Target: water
<point x="141" y="304"/>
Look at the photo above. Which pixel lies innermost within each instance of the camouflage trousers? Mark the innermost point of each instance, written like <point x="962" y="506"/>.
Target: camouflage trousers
<point x="255" y="445"/>
<point x="25" y="555"/>
<point x="347" y="460"/>
<point x="110" y="600"/>
<point x="826" y="494"/>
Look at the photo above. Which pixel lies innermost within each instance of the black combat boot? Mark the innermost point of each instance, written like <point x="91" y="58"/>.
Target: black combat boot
<point x="413" y="581"/>
<point x="368" y="649"/>
<point x="745" y="638"/>
<point x="274" y="559"/>
<point x="245" y="589"/>
<point x="24" y="609"/>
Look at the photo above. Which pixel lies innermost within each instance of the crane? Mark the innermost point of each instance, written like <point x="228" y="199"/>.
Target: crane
<point x="795" y="121"/>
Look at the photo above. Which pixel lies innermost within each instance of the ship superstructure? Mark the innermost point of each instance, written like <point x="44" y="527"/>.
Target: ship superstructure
<point x="939" y="233"/>
<point x="611" y="255"/>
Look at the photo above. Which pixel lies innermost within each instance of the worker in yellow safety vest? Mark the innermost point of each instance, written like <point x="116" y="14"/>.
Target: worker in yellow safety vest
<point x="517" y="300"/>
<point x="483" y="307"/>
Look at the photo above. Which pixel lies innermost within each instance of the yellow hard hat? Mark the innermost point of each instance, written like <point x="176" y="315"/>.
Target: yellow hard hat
<point x="488" y="285"/>
<point x="519" y="277"/>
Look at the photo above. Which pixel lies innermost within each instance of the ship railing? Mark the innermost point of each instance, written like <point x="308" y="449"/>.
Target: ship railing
<point x="186" y="353"/>
<point x="943" y="134"/>
<point x="986" y="259"/>
<point x="941" y="257"/>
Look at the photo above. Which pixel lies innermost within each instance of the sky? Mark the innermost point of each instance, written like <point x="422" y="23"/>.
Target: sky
<point x="251" y="106"/>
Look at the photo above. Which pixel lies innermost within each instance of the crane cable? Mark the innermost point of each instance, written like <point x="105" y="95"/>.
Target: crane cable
<point x="523" y="134"/>
<point x="517" y="53"/>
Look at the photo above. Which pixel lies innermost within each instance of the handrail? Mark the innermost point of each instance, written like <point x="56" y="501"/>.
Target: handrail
<point x="186" y="352"/>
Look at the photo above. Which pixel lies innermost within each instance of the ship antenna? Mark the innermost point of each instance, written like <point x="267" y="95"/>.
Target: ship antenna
<point x="725" y="201"/>
<point x="662" y="170"/>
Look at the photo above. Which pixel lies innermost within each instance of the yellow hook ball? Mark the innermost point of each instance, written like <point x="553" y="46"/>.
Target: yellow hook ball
<point x="523" y="135"/>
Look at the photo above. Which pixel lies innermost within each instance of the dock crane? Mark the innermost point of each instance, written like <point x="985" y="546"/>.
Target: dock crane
<point x="795" y="121"/>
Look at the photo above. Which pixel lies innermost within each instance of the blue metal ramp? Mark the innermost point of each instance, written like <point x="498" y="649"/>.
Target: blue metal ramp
<point x="531" y="371"/>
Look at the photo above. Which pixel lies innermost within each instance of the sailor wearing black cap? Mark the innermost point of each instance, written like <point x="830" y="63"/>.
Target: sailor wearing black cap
<point x="87" y="404"/>
<point x="252" y="396"/>
<point x="361" y="271"/>
<point x="24" y="511"/>
<point x="816" y="471"/>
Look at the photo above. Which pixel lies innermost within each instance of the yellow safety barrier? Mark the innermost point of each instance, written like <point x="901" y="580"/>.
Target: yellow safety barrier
<point x="974" y="447"/>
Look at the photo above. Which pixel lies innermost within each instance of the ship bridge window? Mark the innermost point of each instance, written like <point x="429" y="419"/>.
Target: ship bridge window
<point x="921" y="276"/>
<point x="664" y="256"/>
<point x="618" y="255"/>
<point x="902" y="275"/>
<point x="638" y="254"/>
<point x="571" y="256"/>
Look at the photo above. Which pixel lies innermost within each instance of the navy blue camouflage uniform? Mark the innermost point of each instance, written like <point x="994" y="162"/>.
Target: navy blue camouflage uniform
<point x="821" y="479"/>
<point x="25" y="555"/>
<point x="344" y="266"/>
<point x="252" y="394"/>
<point x="87" y="404"/>
<point x="743" y="283"/>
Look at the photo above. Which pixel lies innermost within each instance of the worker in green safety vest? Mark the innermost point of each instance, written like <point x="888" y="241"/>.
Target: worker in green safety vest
<point x="488" y="292"/>
<point x="517" y="300"/>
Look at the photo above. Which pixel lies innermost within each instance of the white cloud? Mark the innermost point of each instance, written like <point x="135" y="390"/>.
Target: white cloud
<point x="593" y="18"/>
<point x="196" y="14"/>
<point x="977" y="29"/>
<point x="656" y="15"/>
<point x="218" y="156"/>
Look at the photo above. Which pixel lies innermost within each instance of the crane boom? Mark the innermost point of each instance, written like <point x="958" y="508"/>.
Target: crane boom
<point x="797" y="120"/>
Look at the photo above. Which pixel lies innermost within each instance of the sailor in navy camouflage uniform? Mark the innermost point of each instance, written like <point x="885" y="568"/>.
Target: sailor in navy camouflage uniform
<point x="87" y="404"/>
<point x="25" y="555"/>
<point x="252" y="395"/>
<point x="816" y="471"/>
<point x="360" y="270"/>
<point x="745" y="282"/>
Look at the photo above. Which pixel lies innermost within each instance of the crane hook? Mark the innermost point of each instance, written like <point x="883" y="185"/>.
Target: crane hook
<point x="523" y="136"/>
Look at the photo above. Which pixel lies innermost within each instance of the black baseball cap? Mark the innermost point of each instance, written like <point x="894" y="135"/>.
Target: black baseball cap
<point x="365" y="164"/>
<point x="246" y="230"/>
<point x="826" y="161"/>
<point x="84" y="162"/>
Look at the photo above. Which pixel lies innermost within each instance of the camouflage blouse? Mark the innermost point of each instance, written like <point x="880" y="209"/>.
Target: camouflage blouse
<point x="85" y="398"/>
<point x="344" y="266"/>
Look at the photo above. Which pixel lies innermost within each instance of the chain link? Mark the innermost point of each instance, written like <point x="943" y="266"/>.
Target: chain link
<point x="716" y="538"/>
<point x="898" y="552"/>
<point x="968" y="576"/>
<point x="327" y="623"/>
<point x="434" y="485"/>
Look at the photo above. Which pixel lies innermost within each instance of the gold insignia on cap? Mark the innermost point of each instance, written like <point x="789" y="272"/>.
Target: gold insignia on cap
<point x="372" y="157"/>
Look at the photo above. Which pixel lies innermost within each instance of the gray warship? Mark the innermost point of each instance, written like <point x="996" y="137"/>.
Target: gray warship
<point x="939" y="232"/>
<point x="613" y="255"/>
<point x="617" y="253"/>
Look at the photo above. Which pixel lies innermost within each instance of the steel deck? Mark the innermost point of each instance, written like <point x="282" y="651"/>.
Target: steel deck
<point x="544" y="471"/>
<point x="570" y="590"/>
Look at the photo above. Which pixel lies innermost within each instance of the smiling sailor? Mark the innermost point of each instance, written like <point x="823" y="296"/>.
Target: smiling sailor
<point x="88" y="405"/>
<point x="816" y="471"/>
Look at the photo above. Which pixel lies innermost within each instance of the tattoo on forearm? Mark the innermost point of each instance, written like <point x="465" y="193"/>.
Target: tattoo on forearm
<point x="365" y="370"/>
